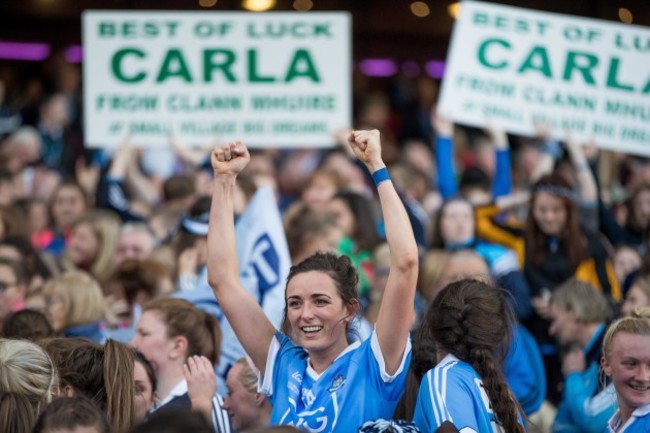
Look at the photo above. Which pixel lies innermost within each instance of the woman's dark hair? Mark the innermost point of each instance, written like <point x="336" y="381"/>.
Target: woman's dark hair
<point x="174" y="421"/>
<point x="365" y="226"/>
<point x="27" y="325"/>
<point x="17" y="268"/>
<point x="69" y="413"/>
<point x="102" y="373"/>
<point x="339" y="268"/>
<point x="199" y="212"/>
<point x="134" y="277"/>
<point x="537" y="241"/>
<point x="423" y="359"/>
<point x="32" y="259"/>
<point x="473" y="321"/>
<point x="630" y="222"/>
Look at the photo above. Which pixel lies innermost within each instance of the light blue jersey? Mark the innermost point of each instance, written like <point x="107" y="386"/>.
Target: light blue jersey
<point x="453" y="391"/>
<point x="639" y="422"/>
<point x="352" y="390"/>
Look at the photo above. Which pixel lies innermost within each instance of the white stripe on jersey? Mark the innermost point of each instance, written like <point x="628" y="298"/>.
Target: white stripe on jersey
<point x="441" y="391"/>
<point x="220" y="420"/>
<point x="433" y="400"/>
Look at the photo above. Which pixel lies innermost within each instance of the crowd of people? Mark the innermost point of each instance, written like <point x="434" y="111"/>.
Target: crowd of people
<point x="423" y="276"/>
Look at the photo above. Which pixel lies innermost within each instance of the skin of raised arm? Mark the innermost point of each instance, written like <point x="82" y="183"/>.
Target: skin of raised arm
<point x="396" y="312"/>
<point x="586" y="181"/>
<point x="139" y="184"/>
<point x="252" y="327"/>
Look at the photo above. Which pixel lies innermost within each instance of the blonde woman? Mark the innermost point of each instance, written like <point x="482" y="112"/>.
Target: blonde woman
<point x="75" y="305"/>
<point x="28" y="382"/>
<point x="246" y="407"/>
<point x="626" y="361"/>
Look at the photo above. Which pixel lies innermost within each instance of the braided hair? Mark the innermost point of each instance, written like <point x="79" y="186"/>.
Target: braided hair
<point x="473" y="321"/>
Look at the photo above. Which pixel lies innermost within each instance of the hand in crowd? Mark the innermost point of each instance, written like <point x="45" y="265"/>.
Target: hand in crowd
<point x="497" y="136"/>
<point x="542" y="306"/>
<point x="188" y="261"/>
<point x="201" y="382"/>
<point x="574" y="361"/>
<point x="442" y="125"/>
<point x="87" y="176"/>
<point x="230" y="159"/>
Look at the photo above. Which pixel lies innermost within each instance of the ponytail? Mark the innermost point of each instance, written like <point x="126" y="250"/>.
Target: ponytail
<point x="119" y="382"/>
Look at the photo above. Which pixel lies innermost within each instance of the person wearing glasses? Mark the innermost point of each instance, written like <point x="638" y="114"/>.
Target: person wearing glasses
<point x="13" y="288"/>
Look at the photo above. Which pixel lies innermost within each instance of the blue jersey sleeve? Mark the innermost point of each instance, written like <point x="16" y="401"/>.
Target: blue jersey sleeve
<point x="586" y="408"/>
<point x="502" y="184"/>
<point x="445" y="165"/>
<point x="444" y="398"/>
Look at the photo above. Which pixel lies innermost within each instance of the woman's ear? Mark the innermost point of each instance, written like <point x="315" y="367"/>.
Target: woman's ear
<point x="352" y="307"/>
<point x="607" y="369"/>
<point x="179" y="348"/>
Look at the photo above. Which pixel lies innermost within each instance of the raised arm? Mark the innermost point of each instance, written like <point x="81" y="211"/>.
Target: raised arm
<point x="444" y="151"/>
<point x="396" y="311"/>
<point x="246" y="317"/>
<point x="586" y="181"/>
<point x="502" y="183"/>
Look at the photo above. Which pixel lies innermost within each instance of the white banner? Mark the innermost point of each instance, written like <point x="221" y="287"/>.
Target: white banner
<point x="514" y="67"/>
<point x="271" y="79"/>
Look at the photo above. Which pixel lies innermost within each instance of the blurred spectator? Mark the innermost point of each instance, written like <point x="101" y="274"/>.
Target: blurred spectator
<point x="27" y="325"/>
<point x="75" y="305"/>
<point x="72" y="414"/>
<point x="13" y="288"/>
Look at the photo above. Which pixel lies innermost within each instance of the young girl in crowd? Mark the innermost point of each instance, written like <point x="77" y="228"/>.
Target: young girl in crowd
<point x="455" y="230"/>
<point x="626" y="360"/>
<point x="178" y="339"/>
<point x="470" y="323"/>
<point x="314" y="378"/>
<point x="552" y="247"/>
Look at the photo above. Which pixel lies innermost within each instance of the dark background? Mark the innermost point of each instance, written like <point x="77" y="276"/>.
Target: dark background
<point x="381" y="28"/>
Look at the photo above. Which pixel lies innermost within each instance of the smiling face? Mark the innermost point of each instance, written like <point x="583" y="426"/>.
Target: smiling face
<point x="317" y="315"/>
<point x="550" y="213"/>
<point x="628" y="365"/>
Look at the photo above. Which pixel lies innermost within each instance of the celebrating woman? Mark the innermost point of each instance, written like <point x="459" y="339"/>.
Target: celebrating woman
<point x="314" y="378"/>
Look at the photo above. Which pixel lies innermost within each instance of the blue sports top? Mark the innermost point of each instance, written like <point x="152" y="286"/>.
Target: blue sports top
<point x="453" y="391"/>
<point x="354" y="389"/>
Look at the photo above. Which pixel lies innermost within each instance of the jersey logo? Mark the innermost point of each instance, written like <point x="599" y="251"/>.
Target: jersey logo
<point x="338" y="382"/>
<point x="308" y="397"/>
